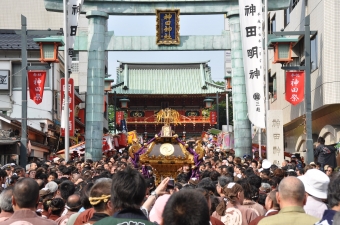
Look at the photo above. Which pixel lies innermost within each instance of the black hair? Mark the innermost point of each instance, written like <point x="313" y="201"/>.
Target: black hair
<point x="57" y="206"/>
<point x="186" y="207"/>
<point x="333" y="195"/>
<point x="66" y="188"/>
<point x="53" y="174"/>
<point x="205" y="174"/>
<point x="321" y="140"/>
<point x="262" y="199"/>
<point x="255" y="180"/>
<point x="254" y="161"/>
<point x="247" y="189"/>
<point x="84" y="196"/>
<point x="26" y="193"/>
<point x="207" y="183"/>
<point x="128" y="189"/>
<point x="249" y="172"/>
<point x="214" y="175"/>
<point x="3" y="173"/>
<point x="223" y="180"/>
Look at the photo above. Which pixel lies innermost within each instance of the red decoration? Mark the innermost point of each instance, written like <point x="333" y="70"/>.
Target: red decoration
<point x="295" y="82"/>
<point x="122" y="140"/>
<point x="71" y="105"/>
<point x="213" y="117"/>
<point x="119" y="116"/>
<point x="36" y="83"/>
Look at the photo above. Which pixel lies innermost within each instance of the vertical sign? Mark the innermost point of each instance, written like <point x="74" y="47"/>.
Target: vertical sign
<point x="71" y="105"/>
<point x="36" y="83"/>
<point x="275" y="147"/>
<point x="73" y="12"/>
<point x="251" y="33"/>
<point x="213" y="119"/>
<point x="295" y="83"/>
<point x="119" y="116"/>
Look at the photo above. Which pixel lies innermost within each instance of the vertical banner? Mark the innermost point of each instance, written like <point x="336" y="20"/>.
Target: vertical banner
<point x="295" y="83"/>
<point x="71" y="106"/>
<point x="251" y="34"/>
<point x="213" y="119"/>
<point x="36" y="83"/>
<point x="275" y="147"/>
<point x="73" y="12"/>
<point x="119" y="116"/>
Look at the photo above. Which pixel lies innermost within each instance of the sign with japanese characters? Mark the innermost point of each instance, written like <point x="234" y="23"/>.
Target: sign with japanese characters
<point x="36" y="83"/>
<point x="251" y="33"/>
<point x="167" y="27"/>
<point x="295" y="83"/>
<point x="119" y="116"/>
<point x="70" y="91"/>
<point x="275" y="146"/>
<point x="213" y="117"/>
<point x="4" y="79"/>
<point x="73" y="12"/>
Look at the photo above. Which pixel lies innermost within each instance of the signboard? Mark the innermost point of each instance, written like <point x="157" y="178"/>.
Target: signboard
<point x="295" y="83"/>
<point x="213" y="117"/>
<point x="275" y="147"/>
<point x="192" y="113"/>
<point x="167" y="27"/>
<point x="71" y="105"/>
<point x="251" y="32"/>
<point x="36" y="83"/>
<point x="4" y="79"/>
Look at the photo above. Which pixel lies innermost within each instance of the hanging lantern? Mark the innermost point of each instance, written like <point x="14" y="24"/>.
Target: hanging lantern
<point x="49" y="48"/>
<point x="208" y="102"/>
<point x="282" y="49"/>
<point x="124" y="103"/>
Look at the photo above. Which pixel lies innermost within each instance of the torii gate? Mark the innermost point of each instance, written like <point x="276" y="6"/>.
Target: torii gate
<point x="96" y="41"/>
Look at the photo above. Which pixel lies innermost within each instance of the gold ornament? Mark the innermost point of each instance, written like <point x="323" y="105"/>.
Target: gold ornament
<point x="167" y="149"/>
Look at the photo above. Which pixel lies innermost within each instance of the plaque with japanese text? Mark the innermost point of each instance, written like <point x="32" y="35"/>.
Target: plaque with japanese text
<point x="167" y="27"/>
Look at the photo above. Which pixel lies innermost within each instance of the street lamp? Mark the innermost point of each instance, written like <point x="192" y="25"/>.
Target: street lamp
<point x="124" y="103"/>
<point x="208" y="102"/>
<point x="282" y="49"/>
<point x="49" y="48"/>
<point x="307" y="69"/>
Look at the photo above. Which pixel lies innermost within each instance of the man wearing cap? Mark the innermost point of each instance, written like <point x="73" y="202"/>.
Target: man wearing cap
<point x="325" y="154"/>
<point x="316" y="184"/>
<point x="291" y="198"/>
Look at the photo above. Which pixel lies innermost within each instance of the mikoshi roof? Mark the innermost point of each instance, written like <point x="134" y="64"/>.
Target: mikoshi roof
<point x="165" y="78"/>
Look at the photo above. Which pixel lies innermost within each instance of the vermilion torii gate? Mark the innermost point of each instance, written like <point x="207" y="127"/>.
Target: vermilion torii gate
<point x="97" y="40"/>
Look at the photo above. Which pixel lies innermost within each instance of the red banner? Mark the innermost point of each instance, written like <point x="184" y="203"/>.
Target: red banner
<point x="295" y="83"/>
<point x="213" y="117"/>
<point x="36" y="83"/>
<point x="71" y="105"/>
<point x="119" y="116"/>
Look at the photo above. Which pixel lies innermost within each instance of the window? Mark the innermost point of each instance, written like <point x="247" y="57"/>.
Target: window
<point x="287" y="16"/>
<point x="294" y="3"/>
<point x="272" y="86"/>
<point x="17" y="72"/>
<point x="314" y="52"/>
<point x="271" y="25"/>
<point x="75" y="62"/>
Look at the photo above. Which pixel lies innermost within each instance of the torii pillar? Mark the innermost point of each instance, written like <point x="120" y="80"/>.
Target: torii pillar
<point x="242" y="128"/>
<point x="95" y="84"/>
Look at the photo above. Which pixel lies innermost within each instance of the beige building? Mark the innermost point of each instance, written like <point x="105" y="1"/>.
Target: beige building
<point x="325" y="79"/>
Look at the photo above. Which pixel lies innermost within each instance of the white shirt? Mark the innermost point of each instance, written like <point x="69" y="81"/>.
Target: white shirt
<point x="314" y="207"/>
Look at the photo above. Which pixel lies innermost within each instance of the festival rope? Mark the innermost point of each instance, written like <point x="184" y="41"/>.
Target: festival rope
<point x="97" y="200"/>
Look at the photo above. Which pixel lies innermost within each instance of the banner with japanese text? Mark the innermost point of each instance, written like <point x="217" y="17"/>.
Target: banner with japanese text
<point x="36" y="83"/>
<point x="70" y="119"/>
<point x="275" y="145"/>
<point x="119" y="116"/>
<point x="213" y="117"/>
<point x="73" y="13"/>
<point x="295" y="83"/>
<point x="251" y="34"/>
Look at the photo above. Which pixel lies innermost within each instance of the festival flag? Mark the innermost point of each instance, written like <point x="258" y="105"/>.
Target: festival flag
<point x="36" y="83"/>
<point x="213" y="117"/>
<point x="295" y="83"/>
<point x="251" y="33"/>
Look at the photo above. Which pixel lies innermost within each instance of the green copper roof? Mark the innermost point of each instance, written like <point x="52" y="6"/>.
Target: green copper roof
<point x="165" y="78"/>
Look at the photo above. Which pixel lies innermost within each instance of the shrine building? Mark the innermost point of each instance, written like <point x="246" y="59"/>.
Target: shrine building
<point x="149" y="87"/>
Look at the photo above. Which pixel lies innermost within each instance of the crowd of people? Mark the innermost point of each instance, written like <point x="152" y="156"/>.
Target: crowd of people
<point x="230" y="190"/>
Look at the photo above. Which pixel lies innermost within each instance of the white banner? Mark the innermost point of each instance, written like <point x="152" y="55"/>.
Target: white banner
<point x="251" y="32"/>
<point x="275" y="147"/>
<point x="73" y="12"/>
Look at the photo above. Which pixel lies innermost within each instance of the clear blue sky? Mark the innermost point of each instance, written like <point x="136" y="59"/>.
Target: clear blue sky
<point x="146" y="26"/>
